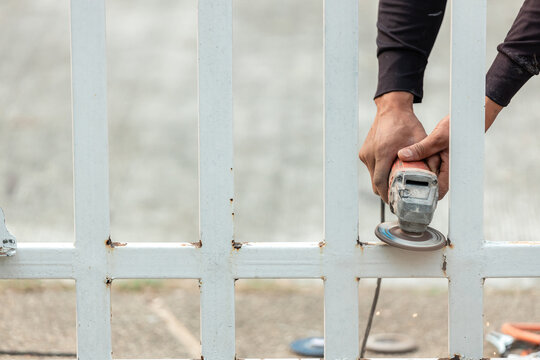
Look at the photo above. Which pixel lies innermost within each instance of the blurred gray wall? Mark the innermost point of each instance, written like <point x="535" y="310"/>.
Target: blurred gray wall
<point x="278" y="89"/>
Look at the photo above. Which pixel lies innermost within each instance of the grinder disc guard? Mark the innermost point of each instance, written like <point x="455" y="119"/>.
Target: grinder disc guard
<point x="391" y="233"/>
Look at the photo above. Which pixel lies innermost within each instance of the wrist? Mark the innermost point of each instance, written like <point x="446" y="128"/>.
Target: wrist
<point x="395" y="101"/>
<point x="492" y="109"/>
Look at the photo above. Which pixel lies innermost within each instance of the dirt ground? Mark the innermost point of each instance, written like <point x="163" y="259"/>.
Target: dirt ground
<point x="160" y="319"/>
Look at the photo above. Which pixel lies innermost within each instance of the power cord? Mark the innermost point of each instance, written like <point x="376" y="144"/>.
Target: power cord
<point x="375" y="299"/>
<point x="37" y="353"/>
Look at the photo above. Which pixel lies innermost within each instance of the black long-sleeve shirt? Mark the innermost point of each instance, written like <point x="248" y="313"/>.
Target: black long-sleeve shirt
<point x="407" y="30"/>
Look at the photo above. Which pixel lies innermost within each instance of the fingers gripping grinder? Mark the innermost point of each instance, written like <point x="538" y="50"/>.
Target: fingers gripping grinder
<point x="413" y="192"/>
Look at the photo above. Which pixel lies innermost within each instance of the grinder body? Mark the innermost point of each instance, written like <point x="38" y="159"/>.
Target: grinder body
<point x="413" y="192"/>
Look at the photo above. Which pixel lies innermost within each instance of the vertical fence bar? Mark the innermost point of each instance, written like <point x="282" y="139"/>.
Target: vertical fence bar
<point x="341" y="177"/>
<point x="91" y="178"/>
<point x="466" y="178"/>
<point x="216" y="178"/>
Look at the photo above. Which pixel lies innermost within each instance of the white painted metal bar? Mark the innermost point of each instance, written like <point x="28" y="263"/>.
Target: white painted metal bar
<point x="341" y="328"/>
<point x="91" y="177"/>
<point x="40" y="261"/>
<point x="216" y="178"/>
<point x="316" y="358"/>
<point x="464" y="261"/>
<point x="511" y="259"/>
<point x="493" y="358"/>
<point x="265" y="260"/>
<point x="155" y="261"/>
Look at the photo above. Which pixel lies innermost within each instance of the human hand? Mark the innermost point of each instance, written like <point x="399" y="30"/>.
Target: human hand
<point x="435" y="143"/>
<point x="438" y="142"/>
<point x="395" y="127"/>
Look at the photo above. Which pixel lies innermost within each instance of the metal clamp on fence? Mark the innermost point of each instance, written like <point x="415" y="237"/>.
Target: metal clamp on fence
<point x="8" y="246"/>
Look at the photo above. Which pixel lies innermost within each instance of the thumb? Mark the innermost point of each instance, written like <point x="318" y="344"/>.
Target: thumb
<point x="421" y="150"/>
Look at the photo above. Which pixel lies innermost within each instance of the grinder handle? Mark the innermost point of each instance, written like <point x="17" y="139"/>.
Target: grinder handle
<point x="408" y="165"/>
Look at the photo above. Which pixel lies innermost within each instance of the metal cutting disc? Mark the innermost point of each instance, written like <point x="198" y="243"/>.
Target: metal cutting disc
<point x="391" y="233"/>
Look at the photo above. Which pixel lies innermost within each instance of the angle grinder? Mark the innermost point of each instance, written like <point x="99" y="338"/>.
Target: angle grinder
<point x="413" y="192"/>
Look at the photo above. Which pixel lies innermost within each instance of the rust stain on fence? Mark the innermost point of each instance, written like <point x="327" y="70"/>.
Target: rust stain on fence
<point x="113" y="244"/>
<point x="458" y="357"/>
<point x="444" y="265"/>
<point x="361" y="244"/>
<point x="197" y="244"/>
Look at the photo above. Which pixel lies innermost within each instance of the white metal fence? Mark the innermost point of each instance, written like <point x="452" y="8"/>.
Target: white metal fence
<point x="94" y="261"/>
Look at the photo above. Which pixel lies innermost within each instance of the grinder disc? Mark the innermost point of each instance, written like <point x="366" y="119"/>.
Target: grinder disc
<point x="391" y="233"/>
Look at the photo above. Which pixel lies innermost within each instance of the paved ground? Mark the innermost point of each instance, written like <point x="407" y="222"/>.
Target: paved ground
<point x="161" y="319"/>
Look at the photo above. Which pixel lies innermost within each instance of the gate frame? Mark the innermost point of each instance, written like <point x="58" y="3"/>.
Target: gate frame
<point x="216" y="260"/>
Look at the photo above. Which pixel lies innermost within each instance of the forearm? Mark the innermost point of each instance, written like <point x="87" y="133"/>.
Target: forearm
<point x="519" y="56"/>
<point x="407" y="30"/>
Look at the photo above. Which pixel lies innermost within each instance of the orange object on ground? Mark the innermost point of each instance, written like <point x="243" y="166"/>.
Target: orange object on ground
<point x="523" y="331"/>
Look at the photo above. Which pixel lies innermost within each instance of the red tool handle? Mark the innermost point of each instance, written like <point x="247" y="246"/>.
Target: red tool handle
<point x="408" y="165"/>
<point x="523" y="331"/>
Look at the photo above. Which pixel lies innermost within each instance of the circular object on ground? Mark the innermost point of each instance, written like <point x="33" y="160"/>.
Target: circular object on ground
<point x="312" y="346"/>
<point x="429" y="240"/>
<point x="390" y="343"/>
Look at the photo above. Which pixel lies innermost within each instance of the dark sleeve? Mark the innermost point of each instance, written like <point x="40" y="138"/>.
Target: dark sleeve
<point x="519" y="56"/>
<point x="407" y="30"/>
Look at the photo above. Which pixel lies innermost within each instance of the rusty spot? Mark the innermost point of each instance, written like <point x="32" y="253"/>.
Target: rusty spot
<point x="108" y="281"/>
<point x="202" y="357"/>
<point x="113" y="244"/>
<point x="236" y="245"/>
<point x="231" y="200"/>
<point x="197" y="244"/>
<point x="456" y="357"/>
<point x="322" y="243"/>
<point x="323" y="278"/>
<point x="449" y="243"/>
<point x="520" y="242"/>
<point x="359" y="243"/>
<point x="444" y="264"/>
<point x="232" y="214"/>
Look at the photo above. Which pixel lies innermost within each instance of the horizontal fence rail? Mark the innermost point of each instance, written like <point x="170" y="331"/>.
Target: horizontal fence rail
<point x="339" y="257"/>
